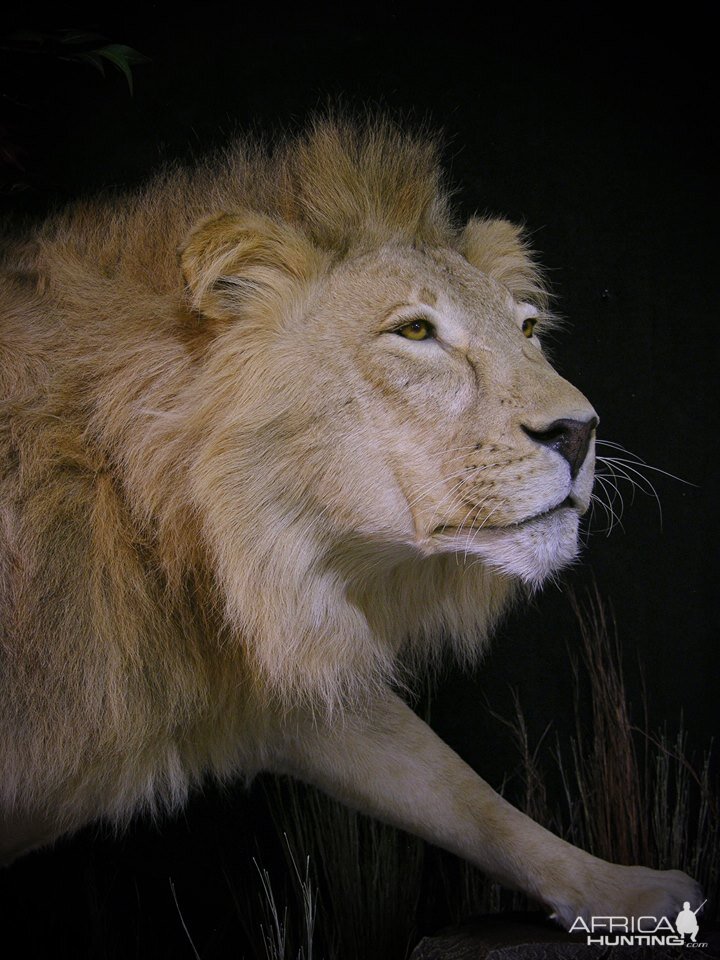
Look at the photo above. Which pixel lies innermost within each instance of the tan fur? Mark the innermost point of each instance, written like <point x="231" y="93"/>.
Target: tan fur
<point x="235" y="505"/>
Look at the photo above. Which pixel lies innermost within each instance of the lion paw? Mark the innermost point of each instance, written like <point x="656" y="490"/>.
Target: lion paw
<point x="617" y="891"/>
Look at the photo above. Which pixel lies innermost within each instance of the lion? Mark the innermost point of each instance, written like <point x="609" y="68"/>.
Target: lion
<point x="276" y="433"/>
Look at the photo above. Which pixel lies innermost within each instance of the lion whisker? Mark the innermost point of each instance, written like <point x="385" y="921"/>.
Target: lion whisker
<point x="610" y="480"/>
<point x="613" y="517"/>
<point x="473" y="509"/>
<point x="647" y="466"/>
<point x="464" y="475"/>
<point x="472" y="526"/>
<point x="649" y="491"/>
<point x="618" y="473"/>
<point x="460" y="476"/>
<point x="597" y="501"/>
<point x="620" y="447"/>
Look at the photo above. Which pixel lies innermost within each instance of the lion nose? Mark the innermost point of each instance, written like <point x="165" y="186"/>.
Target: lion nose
<point x="571" y="439"/>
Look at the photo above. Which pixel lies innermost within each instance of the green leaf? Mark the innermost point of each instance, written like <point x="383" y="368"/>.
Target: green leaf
<point x="122" y="57"/>
<point x="80" y="36"/>
<point x="91" y="58"/>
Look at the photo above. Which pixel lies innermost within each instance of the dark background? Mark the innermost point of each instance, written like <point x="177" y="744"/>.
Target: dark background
<point x="594" y="125"/>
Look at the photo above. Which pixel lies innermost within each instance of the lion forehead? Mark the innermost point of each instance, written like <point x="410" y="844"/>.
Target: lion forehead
<point x="391" y="278"/>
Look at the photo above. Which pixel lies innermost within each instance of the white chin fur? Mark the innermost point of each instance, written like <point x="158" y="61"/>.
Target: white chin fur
<point x="531" y="551"/>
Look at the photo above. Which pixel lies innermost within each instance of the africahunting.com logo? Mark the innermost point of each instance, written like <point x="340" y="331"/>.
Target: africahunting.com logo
<point x="643" y="931"/>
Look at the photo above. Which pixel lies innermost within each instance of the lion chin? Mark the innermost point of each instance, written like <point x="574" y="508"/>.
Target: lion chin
<point x="531" y="551"/>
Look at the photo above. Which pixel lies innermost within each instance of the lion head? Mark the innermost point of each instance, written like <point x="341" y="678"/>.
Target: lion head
<point x="383" y="448"/>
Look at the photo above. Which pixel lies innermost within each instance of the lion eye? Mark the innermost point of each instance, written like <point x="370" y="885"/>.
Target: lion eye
<point x="528" y="326"/>
<point x="417" y="330"/>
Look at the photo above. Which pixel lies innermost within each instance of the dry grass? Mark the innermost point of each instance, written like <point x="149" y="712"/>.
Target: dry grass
<point x="632" y="794"/>
<point x="369" y="874"/>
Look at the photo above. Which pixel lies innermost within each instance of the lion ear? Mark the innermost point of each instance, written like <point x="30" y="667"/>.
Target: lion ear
<point x="497" y="248"/>
<point x="233" y="263"/>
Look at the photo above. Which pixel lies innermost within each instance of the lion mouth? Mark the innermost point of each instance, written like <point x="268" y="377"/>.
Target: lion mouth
<point x="569" y="503"/>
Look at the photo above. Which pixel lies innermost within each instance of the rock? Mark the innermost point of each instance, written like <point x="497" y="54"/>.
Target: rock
<point x="524" y="936"/>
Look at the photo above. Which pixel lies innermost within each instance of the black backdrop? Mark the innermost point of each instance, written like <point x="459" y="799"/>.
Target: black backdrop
<point x="592" y="124"/>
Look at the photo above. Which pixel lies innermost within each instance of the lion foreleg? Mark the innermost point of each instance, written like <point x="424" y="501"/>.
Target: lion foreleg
<point x="386" y="762"/>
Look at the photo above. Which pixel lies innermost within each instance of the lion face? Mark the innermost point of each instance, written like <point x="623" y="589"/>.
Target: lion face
<point x="491" y="450"/>
<point x="417" y="412"/>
